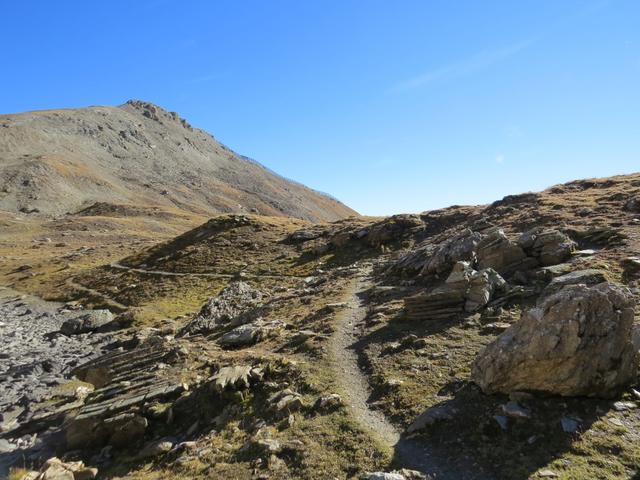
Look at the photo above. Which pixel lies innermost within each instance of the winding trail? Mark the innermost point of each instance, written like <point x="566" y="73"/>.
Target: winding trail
<point x="344" y="359"/>
<point x="164" y="273"/>
<point x="109" y="302"/>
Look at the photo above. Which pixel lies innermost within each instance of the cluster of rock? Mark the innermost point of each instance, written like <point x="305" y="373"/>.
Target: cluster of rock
<point x="465" y="290"/>
<point x="580" y="340"/>
<point x="488" y="249"/>
<point x="55" y="469"/>
<point x="129" y="388"/>
<point x="126" y="383"/>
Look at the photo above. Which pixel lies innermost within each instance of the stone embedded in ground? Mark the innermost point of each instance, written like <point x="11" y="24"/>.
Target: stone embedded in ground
<point x="243" y="335"/>
<point x="328" y="402"/>
<point x="502" y="421"/>
<point x="623" y="406"/>
<point x="445" y="255"/>
<point x="514" y="410"/>
<point x="546" y="473"/>
<point x="577" y="342"/>
<point x="631" y="267"/>
<point x="437" y="259"/>
<point x="383" y="476"/>
<point x="156" y="448"/>
<point x="125" y="382"/>
<point x="285" y="402"/>
<point x="589" y="276"/>
<point x="438" y="413"/>
<point x="87" y="322"/>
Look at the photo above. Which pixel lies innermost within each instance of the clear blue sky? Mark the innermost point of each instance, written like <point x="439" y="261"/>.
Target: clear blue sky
<point x="391" y="106"/>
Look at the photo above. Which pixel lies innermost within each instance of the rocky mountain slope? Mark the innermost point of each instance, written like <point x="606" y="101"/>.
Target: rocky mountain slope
<point x="482" y="342"/>
<point x="59" y="161"/>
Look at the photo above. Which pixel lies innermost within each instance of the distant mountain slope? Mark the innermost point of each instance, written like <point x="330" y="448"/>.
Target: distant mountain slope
<point x="57" y="161"/>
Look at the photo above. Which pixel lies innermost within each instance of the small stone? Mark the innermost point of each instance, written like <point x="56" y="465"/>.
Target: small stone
<point x="622" y="406"/>
<point x="502" y="421"/>
<point x="515" y="410"/>
<point x="495" y="327"/>
<point x="328" y="402"/>
<point x="547" y="474"/>
<point x="269" y="446"/>
<point x="438" y="413"/>
<point x="569" y="425"/>
<point x="383" y="476"/>
<point x="616" y="421"/>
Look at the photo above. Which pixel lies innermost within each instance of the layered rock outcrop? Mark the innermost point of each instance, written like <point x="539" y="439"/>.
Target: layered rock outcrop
<point x="465" y="290"/>
<point x="578" y="341"/>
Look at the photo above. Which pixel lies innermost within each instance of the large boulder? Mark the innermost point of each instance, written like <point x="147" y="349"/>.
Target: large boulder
<point x="497" y="251"/>
<point x="580" y="341"/>
<point x="87" y="322"/>
<point x="237" y="304"/>
<point x="446" y="254"/>
<point x="590" y="276"/>
<point x="550" y="247"/>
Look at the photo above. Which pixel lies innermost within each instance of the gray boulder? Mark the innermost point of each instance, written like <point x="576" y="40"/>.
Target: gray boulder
<point x="236" y="304"/>
<point x="87" y="322"/>
<point x="550" y="247"/>
<point x="242" y="335"/>
<point x="576" y="342"/>
<point x="590" y="276"/>
<point x="503" y="255"/>
<point x="446" y="254"/>
<point x="156" y="448"/>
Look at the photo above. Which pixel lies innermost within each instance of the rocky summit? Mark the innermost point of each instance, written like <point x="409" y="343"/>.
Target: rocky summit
<point x="156" y="331"/>
<point x="138" y="157"/>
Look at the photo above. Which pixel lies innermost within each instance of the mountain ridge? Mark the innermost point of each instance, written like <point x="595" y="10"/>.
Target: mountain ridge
<point x="54" y="162"/>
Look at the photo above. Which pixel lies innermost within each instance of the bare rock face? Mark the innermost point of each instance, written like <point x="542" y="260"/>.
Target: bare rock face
<point x="576" y="342"/>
